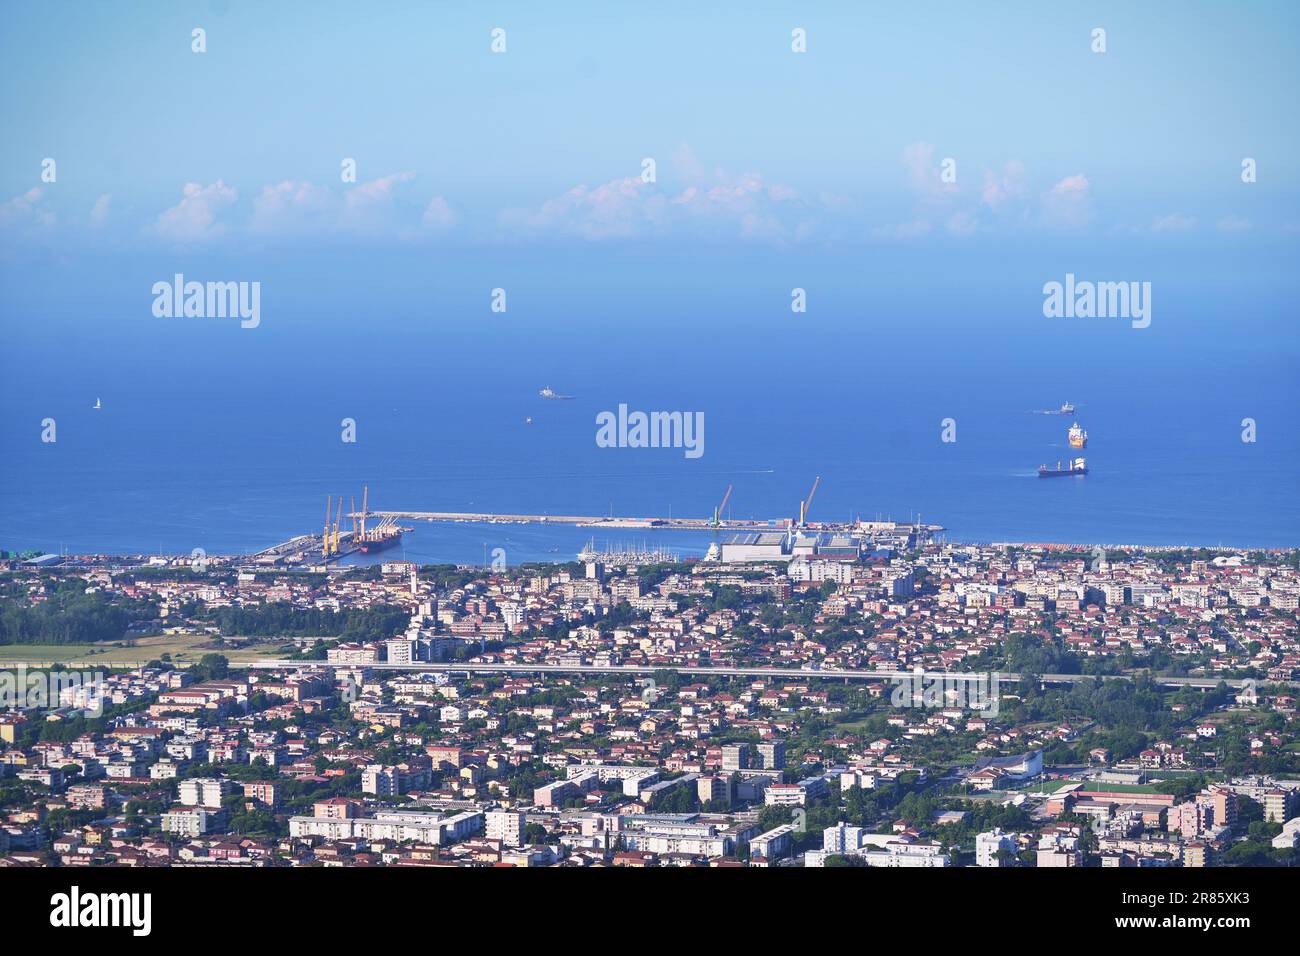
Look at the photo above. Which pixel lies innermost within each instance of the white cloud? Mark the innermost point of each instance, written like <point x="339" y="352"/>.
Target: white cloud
<point x="375" y="192"/>
<point x="619" y="209"/>
<point x="1004" y="187"/>
<point x="194" y="218"/>
<point x="721" y="205"/>
<point x="1173" y="223"/>
<point x="744" y="201"/>
<point x="923" y="171"/>
<point x="1233" y="224"/>
<point x="1068" y="203"/>
<point x="438" y="215"/>
<point x="26" y="211"/>
<point x="370" y="209"/>
<point x="293" y="207"/>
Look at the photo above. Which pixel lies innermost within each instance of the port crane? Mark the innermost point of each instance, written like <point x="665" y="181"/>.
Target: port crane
<point x="386" y="524"/>
<point x="334" y="535"/>
<point x="806" y="505"/>
<point x="717" y="512"/>
<point x="325" y="535"/>
<point x="376" y="532"/>
<point x="334" y="545"/>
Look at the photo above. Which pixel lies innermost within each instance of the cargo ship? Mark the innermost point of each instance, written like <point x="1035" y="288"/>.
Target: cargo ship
<point x="381" y="537"/>
<point x="1065" y="409"/>
<point x="1078" y="437"/>
<point x="550" y="393"/>
<point x="1076" y="467"/>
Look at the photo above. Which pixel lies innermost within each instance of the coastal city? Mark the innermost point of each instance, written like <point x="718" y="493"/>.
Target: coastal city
<point x="445" y="440"/>
<point x="871" y="697"/>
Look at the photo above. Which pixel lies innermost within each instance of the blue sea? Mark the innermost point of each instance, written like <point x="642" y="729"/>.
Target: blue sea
<point x="228" y="439"/>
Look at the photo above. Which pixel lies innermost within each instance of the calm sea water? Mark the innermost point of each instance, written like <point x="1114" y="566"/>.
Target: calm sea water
<point x="228" y="439"/>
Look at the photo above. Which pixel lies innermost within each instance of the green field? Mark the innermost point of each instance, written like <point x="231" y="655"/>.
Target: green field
<point x="1095" y="785"/>
<point x="1050" y="786"/>
<point x="140" y="651"/>
<point x="852" y="726"/>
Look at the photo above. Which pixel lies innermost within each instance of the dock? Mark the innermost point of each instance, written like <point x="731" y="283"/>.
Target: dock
<point x="305" y="549"/>
<point x="611" y="521"/>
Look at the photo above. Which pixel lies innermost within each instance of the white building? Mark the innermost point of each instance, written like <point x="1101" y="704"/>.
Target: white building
<point x="988" y="844"/>
<point x="841" y="839"/>
<point x="1059" y="850"/>
<point x="353" y="654"/>
<point x="398" y="826"/>
<point x="400" y="650"/>
<point x="1020" y="767"/>
<point x="801" y="569"/>
<point x="795" y="794"/>
<point x="606" y="772"/>
<point x="784" y="795"/>
<point x="1289" y="838"/>
<point x="858" y="778"/>
<point x="204" y="792"/>
<point x="632" y="786"/>
<point x="381" y="781"/>
<point x="761" y="546"/>
<point x="507" y="826"/>
<point x="773" y="844"/>
<point x="902" y="854"/>
<point x="712" y="844"/>
<point x="513" y="615"/>
<point x="188" y="823"/>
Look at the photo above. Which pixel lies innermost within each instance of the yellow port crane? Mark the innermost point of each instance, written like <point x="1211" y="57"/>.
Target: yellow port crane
<point x="334" y="545"/>
<point x="325" y="535"/>
<point x="806" y="505"/>
<point x="717" y="512"/>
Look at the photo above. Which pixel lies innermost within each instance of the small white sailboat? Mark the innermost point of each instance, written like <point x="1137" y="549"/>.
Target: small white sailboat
<point x="97" y="405"/>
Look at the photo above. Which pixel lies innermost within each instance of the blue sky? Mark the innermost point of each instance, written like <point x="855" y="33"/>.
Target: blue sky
<point x="238" y="150"/>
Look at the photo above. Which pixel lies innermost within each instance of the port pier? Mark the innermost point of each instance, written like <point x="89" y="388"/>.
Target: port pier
<point x="658" y="523"/>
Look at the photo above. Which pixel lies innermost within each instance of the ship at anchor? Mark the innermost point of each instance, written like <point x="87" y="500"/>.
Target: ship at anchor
<point x="1076" y="467"/>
